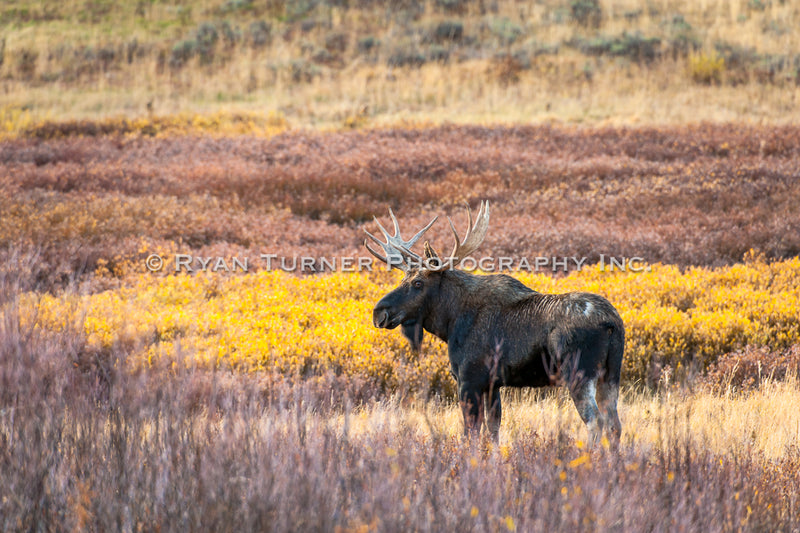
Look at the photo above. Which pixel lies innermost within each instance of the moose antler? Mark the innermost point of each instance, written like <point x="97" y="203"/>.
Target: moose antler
<point x="472" y="239"/>
<point x="395" y="244"/>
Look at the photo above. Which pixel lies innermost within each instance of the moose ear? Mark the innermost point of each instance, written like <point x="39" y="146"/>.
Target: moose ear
<point x="430" y="253"/>
<point x="413" y="332"/>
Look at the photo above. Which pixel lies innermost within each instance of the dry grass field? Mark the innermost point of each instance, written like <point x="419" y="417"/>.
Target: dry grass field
<point x="225" y="398"/>
<point x="351" y="63"/>
<point x="179" y="448"/>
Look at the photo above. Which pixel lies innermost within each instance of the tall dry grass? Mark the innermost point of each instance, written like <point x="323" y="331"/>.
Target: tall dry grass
<point x="87" y="445"/>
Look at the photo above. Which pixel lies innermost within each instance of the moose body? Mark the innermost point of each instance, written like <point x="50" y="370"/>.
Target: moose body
<point x="500" y="332"/>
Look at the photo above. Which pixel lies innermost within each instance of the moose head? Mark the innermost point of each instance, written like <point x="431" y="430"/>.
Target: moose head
<point x="410" y="305"/>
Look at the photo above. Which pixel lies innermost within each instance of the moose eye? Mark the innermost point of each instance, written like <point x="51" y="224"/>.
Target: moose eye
<point x="417" y="283"/>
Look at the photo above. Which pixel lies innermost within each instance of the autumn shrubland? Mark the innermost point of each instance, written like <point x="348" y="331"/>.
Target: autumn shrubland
<point x="83" y="212"/>
<point x="699" y="195"/>
<point x="231" y="398"/>
<point x="227" y="400"/>
<point x="275" y="322"/>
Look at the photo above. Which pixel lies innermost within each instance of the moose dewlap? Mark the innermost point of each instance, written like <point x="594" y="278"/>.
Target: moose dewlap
<point x="500" y="332"/>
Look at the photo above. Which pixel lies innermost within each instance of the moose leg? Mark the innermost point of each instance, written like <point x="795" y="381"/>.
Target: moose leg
<point x="607" y="394"/>
<point x="583" y="395"/>
<point x="494" y="412"/>
<point x="471" y="402"/>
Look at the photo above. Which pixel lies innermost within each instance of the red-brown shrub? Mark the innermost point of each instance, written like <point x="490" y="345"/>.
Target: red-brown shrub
<point x="749" y="367"/>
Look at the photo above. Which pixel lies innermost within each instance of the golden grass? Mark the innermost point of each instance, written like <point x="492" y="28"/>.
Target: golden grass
<point x="566" y="87"/>
<point x="459" y="94"/>
<point x="761" y="423"/>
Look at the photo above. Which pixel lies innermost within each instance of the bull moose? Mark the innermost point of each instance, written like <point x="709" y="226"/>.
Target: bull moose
<point x="500" y="332"/>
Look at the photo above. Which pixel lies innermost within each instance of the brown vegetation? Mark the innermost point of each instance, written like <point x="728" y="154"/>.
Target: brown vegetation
<point x="750" y="367"/>
<point x="698" y="195"/>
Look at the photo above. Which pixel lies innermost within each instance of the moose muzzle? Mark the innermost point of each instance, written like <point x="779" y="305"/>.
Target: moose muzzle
<point x="380" y="317"/>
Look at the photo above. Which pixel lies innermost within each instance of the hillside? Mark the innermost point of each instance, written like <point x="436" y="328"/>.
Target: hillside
<point x="334" y="63"/>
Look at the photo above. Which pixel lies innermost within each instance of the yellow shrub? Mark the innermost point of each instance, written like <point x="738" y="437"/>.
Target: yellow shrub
<point x="15" y="123"/>
<point x="706" y="68"/>
<point x="305" y="326"/>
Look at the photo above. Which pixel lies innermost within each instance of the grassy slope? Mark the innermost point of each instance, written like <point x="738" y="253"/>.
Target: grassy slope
<point x="511" y="64"/>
